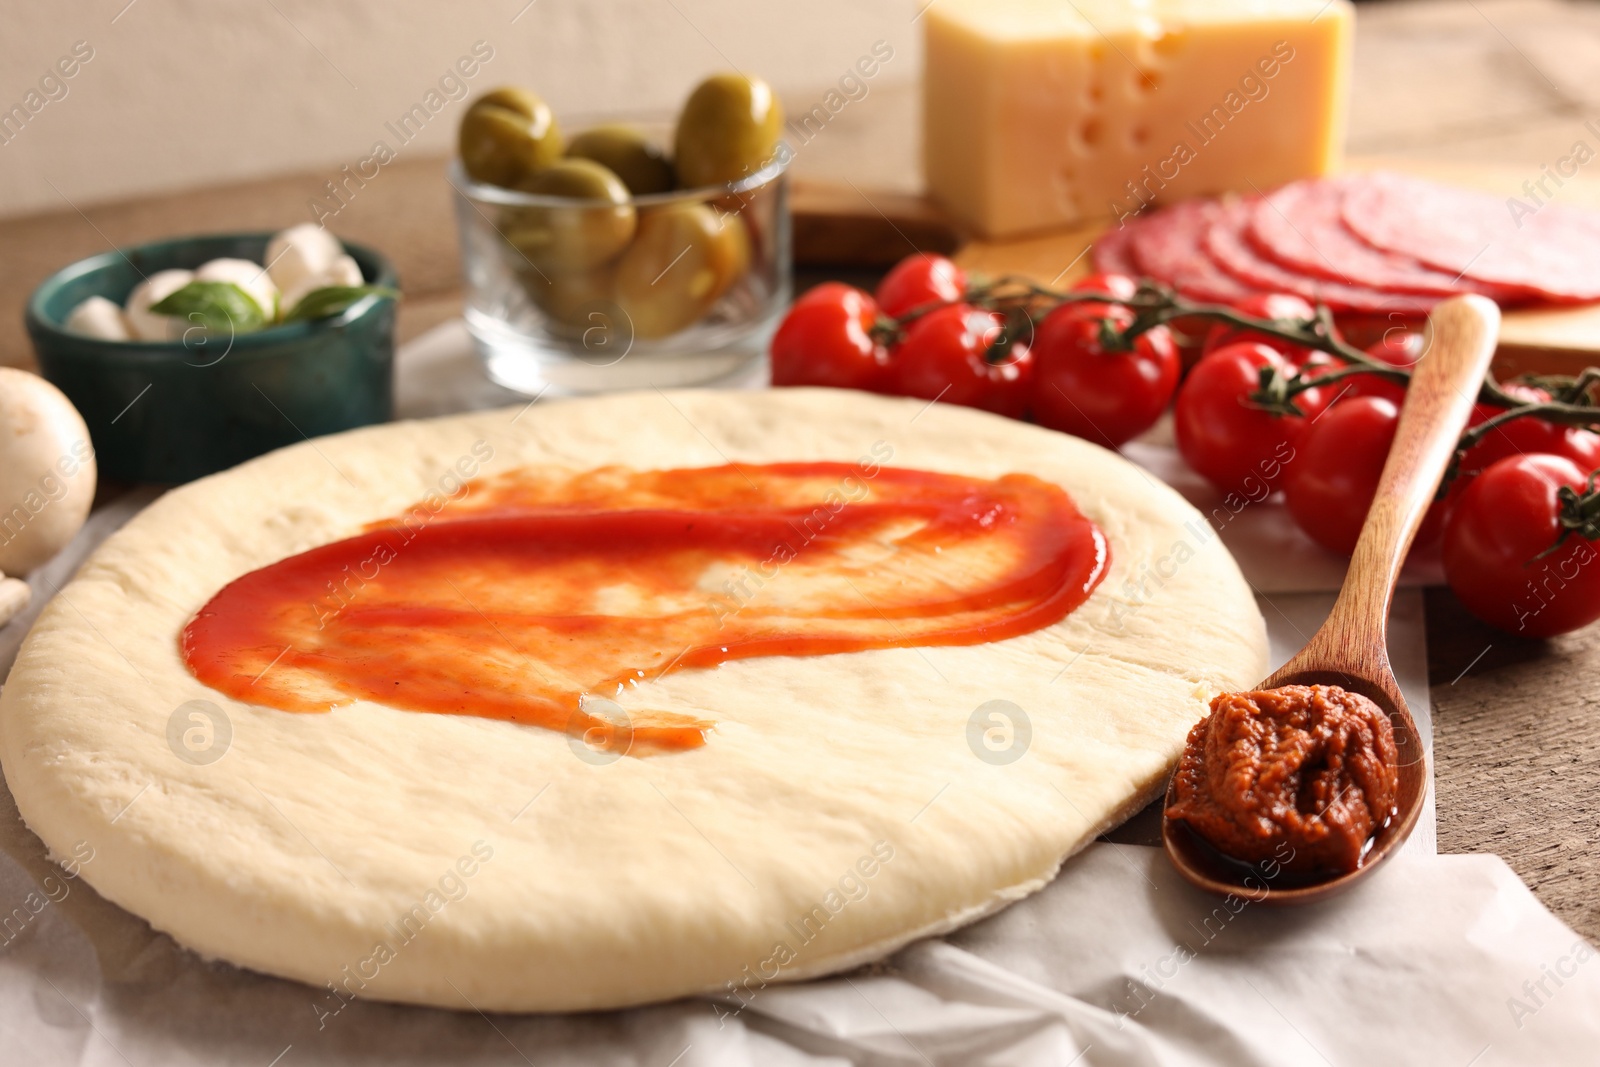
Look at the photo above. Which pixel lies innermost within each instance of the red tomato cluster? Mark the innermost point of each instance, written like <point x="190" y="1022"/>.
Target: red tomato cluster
<point x="1505" y="554"/>
<point x="1062" y="376"/>
<point x="1499" y="521"/>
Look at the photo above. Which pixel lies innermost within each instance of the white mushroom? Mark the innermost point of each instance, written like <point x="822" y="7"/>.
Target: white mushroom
<point x="47" y="471"/>
<point x="344" y="271"/>
<point x="14" y="596"/>
<point x="145" y="325"/>
<point x="99" y="317"/>
<point x="301" y="252"/>
<point x="251" y="277"/>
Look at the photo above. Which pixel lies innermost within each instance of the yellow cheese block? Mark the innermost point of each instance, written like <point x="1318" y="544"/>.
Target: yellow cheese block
<point x="1040" y="113"/>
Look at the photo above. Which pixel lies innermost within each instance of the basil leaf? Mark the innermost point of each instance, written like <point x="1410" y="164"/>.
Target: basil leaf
<point x="218" y="306"/>
<point x="332" y="299"/>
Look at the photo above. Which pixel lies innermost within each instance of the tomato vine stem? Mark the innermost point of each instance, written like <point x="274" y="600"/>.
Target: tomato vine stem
<point x="1020" y="300"/>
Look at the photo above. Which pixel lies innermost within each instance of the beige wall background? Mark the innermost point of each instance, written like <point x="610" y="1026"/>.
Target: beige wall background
<point x="183" y="93"/>
<point x="187" y="93"/>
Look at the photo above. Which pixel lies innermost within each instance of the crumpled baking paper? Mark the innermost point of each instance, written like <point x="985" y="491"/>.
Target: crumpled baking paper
<point x="1443" y="960"/>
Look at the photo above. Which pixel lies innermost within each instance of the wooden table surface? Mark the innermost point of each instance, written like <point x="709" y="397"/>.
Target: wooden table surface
<point x="1508" y="82"/>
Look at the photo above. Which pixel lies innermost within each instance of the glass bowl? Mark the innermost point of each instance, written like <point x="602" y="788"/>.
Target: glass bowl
<point x="669" y="289"/>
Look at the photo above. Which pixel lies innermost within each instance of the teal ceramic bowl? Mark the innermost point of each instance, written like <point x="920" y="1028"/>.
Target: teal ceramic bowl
<point x="167" y="411"/>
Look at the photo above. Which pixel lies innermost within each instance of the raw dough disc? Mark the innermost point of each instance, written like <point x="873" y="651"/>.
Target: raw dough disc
<point x="844" y="805"/>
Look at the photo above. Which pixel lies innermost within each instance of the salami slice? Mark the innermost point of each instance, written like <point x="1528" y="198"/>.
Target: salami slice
<point x="1113" y="250"/>
<point x="1301" y="227"/>
<point x="1225" y="242"/>
<point x="1554" y="250"/>
<point x="1168" y="248"/>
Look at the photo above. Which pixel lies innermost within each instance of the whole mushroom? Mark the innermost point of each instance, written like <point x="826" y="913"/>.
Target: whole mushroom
<point x="47" y="471"/>
<point x="14" y="597"/>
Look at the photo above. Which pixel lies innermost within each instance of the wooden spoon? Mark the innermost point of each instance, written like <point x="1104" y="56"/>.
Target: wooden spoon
<point x="1351" y="650"/>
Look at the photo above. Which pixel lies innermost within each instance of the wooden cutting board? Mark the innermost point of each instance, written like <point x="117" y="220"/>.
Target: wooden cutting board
<point x="847" y="226"/>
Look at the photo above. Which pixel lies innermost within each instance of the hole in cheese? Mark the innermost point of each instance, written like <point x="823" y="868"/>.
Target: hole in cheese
<point x="1063" y="189"/>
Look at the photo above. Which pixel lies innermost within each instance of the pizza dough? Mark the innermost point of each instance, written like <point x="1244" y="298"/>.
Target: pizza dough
<point x="844" y="805"/>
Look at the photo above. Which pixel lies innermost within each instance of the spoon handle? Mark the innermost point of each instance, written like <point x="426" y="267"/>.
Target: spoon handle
<point x="1459" y="344"/>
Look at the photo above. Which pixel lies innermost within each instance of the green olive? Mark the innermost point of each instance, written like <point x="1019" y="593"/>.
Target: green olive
<point x="728" y="130"/>
<point x="683" y="259"/>
<point x="506" y="135"/>
<point x="589" y="231"/>
<point x="570" y="298"/>
<point x="643" y="167"/>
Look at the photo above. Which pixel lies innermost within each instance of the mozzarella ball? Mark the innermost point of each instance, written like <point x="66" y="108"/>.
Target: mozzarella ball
<point x="99" y="317"/>
<point x="251" y="277"/>
<point x="301" y="252"/>
<point x="344" y="272"/>
<point x="144" y="324"/>
<point x="47" y="471"/>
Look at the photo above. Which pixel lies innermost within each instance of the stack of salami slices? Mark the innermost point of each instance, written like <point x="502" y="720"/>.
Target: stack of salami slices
<point x="1363" y="244"/>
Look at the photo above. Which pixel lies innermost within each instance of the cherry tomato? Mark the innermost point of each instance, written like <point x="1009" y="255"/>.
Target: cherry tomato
<point x="1398" y="348"/>
<point x="1266" y="306"/>
<point x="1317" y="363"/>
<point x="1505" y="519"/>
<point x="1236" y="445"/>
<point x="1110" y="284"/>
<point x="1105" y="397"/>
<point x="1529" y="436"/>
<point x="942" y="357"/>
<point x="1333" y="479"/>
<point x="826" y="339"/>
<point x="918" y="280"/>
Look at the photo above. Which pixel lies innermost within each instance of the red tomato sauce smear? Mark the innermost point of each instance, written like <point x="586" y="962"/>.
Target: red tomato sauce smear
<point x="533" y="593"/>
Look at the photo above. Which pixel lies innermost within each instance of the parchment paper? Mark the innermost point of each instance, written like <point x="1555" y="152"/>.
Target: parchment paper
<point x="1434" y="960"/>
